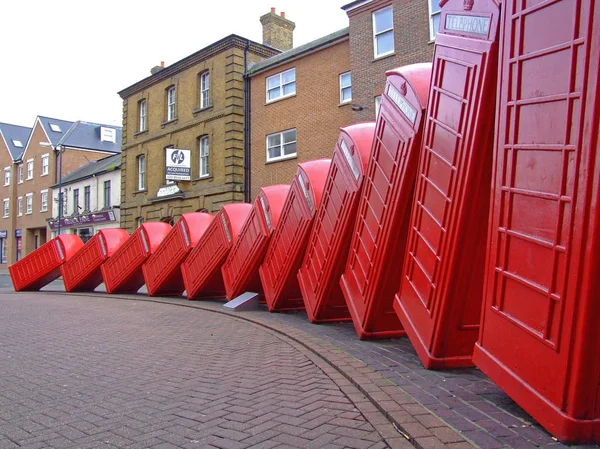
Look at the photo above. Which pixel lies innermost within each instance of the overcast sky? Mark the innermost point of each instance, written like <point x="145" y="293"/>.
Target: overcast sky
<point x="67" y="59"/>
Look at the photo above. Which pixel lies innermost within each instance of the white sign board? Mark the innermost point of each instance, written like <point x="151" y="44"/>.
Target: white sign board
<point x="178" y="164"/>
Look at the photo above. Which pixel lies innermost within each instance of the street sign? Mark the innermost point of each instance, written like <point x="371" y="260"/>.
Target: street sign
<point x="178" y="166"/>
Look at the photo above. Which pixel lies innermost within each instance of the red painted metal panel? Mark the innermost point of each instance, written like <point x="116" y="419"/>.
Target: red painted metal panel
<point x="122" y="273"/>
<point x="240" y="270"/>
<point x="162" y="270"/>
<point x="202" y="269"/>
<point x="539" y="338"/>
<point x="441" y="290"/>
<point x="82" y="272"/>
<point x="279" y="270"/>
<point x="374" y="263"/>
<point x="42" y="266"/>
<point x="329" y="240"/>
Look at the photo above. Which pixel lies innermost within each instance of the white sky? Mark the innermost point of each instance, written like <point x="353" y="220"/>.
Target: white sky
<point x="67" y="59"/>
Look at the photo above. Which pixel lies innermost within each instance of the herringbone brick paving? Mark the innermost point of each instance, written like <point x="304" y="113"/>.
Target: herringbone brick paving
<point x="79" y="372"/>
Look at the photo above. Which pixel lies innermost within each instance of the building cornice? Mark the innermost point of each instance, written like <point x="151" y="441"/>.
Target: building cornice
<point x="231" y="41"/>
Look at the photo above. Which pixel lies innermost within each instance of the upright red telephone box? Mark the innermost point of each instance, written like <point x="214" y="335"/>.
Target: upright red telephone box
<point x="240" y="270"/>
<point x="374" y="263"/>
<point x="441" y="290"/>
<point x="540" y="337"/>
<point x="279" y="270"/>
<point x="82" y="272"/>
<point x="329" y="240"/>
<point x="122" y="273"/>
<point x="162" y="270"/>
<point x="202" y="269"/>
<point x="38" y="269"/>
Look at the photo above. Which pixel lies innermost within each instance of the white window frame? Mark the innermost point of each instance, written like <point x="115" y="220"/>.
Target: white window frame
<point x="204" y="89"/>
<point x="44" y="200"/>
<point x="6" y="208"/>
<point x="45" y="164"/>
<point x="281" y="144"/>
<point x="431" y="14"/>
<point x="204" y="153"/>
<point x="280" y="86"/>
<point x="143" y="112"/>
<point x="20" y="173"/>
<point x="19" y="206"/>
<point x="28" y="203"/>
<point x="6" y="176"/>
<point x="171" y="103"/>
<point x="342" y="88"/>
<point x="141" y="167"/>
<point x="375" y="34"/>
<point x="29" y="169"/>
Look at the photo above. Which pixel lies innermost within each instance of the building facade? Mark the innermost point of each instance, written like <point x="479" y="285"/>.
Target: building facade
<point x="51" y="149"/>
<point x="385" y="34"/>
<point x="91" y="199"/>
<point x="299" y="100"/>
<point x="195" y="106"/>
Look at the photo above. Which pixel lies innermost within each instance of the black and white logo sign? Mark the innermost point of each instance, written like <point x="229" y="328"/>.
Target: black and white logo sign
<point x="178" y="164"/>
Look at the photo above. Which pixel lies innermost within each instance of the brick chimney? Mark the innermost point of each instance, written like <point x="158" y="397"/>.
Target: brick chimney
<point x="278" y="32"/>
<point x="157" y="68"/>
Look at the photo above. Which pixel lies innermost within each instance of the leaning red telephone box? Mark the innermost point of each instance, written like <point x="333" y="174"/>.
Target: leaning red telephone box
<point x="202" y="269"/>
<point x="42" y="266"/>
<point x="374" y="263"/>
<point x="329" y="240"/>
<point x="441" y="288"/>
<point x="240" y="270"/>
<point x="82" y="272"/>
<point x="279" y="270"/>
<point x="162" y="270"/>
<point x="539" y="338"/>
<point x="122" y="273"/>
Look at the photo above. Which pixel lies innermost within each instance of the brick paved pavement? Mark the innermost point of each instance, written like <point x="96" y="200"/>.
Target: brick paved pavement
<point x="81" y="372"/>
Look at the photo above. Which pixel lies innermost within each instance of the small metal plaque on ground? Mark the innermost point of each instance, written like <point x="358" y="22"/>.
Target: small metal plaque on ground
<point x="246" y="301"/>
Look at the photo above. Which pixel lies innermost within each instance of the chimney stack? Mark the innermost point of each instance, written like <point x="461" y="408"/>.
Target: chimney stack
<point x="278" y="32"/>
<point x="157" y="68"/>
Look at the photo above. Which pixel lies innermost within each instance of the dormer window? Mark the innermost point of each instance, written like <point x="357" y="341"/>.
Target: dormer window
<point x="54" y="127"/>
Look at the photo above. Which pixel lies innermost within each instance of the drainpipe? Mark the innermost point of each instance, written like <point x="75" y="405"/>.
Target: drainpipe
<point x="247" y="184"/>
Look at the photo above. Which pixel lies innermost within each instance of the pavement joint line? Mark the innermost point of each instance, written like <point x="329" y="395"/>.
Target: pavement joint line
<point x="344" y="359"/>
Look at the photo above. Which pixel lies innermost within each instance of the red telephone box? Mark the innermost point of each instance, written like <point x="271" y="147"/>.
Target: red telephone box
<point x="539" y="338"/>
<point x="202" y="269"/>
<point x="441" y="290"/>
<point x="374" y="263"/>
<point x="42" y="266"/>
<point x="240" y="270"/>
<point x="279" y="270"/>
<point x="82" y="272"/>
<point x="122" y="273"/>
<point x="162" y="270"/>
<point x="329" y="240"/>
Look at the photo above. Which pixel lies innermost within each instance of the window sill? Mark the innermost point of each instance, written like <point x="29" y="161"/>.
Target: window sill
<point x="28" y="213"/>
<point x="281" y="159"/>
<point x="44" y="210"/>
<point x="6" y="185"/>
<point x="168" y="122"/>
<point x="139" y="133"/>
<point x="135" y="192"/>
<point x="346" y="103"/>
<point x="44" y="174"/>
<point x="28" y="179"/>
<point x="387" y="55"/>
<point x="285" y="97"/>
<point x="203" y="178"/>
<point x="197" y="111"/>
<point x="5" y="216"/>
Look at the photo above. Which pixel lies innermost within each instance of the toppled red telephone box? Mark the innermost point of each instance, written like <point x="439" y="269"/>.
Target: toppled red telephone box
<point x="441" y="290"/>
<point x="279" y="270"/>
<point x="374" y="264"/>
<point x="240" y="270"/>
<point x="539" y="338"/>
<point x="329" y="240"/>
<point x="122" y="273"/>
<point x="162" y="270"/>
<point x="202" y="269"/>
<point x="38" y="269"/>
<point x="82" y="272"/>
